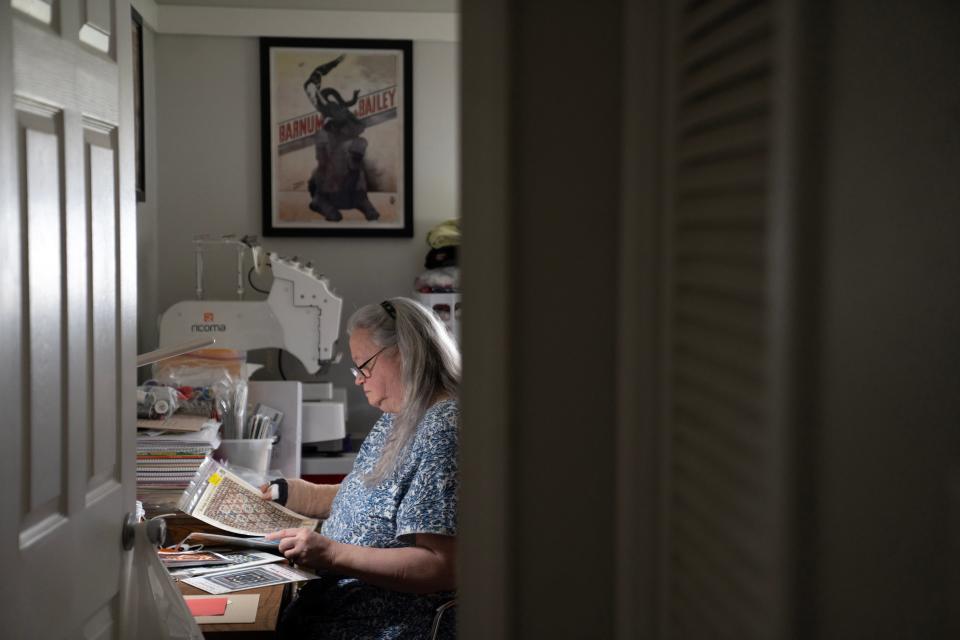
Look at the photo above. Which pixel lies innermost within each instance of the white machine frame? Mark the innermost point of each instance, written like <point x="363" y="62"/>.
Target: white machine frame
<point x="300" y="315"/>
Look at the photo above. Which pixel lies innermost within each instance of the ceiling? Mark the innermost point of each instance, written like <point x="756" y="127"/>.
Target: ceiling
<point x="438" y="6"/>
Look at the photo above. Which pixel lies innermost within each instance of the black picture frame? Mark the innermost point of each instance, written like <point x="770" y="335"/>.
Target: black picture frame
<point x="337" y="137"/>
<point x="136" y="33"/>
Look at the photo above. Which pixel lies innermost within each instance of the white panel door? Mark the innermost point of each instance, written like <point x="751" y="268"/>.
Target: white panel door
<point x="67" y="315"/>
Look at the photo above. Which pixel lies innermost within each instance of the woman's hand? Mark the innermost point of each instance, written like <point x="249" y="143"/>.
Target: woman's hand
<point x="305" y="547"/>
<point x="313" y="500"/>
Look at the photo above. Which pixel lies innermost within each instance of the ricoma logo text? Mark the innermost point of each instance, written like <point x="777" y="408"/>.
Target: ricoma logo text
<point x="206" y="328"/>
<point x="208" y="324"/>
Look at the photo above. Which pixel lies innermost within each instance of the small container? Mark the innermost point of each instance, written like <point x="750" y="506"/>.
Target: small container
<point x="250" y="454"/>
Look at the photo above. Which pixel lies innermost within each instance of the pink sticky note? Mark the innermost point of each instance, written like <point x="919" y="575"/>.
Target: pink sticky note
<point x="207" y="606"/>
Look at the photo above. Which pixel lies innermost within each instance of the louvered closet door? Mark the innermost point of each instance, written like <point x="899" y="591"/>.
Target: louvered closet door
<point x="724" y="475"/>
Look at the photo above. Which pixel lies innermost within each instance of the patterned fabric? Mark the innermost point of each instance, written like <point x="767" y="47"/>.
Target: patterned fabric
<point x="420" y="497"/>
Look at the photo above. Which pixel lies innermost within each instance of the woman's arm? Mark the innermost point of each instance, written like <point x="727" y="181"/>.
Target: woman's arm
<point x="426" y="567"/>
<point x="307" y="498"/>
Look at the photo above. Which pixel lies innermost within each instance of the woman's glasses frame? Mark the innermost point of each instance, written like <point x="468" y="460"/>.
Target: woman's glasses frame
<point x="361" y="371"/>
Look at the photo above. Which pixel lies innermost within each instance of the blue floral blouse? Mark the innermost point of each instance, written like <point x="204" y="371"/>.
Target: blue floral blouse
<point x="419" y="497"/>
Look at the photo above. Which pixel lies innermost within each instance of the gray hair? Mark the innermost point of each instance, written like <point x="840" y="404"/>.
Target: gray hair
<point x="430" y="365"/>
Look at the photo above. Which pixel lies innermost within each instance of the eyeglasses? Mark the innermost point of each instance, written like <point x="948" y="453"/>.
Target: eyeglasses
<point x="361" y="371"/>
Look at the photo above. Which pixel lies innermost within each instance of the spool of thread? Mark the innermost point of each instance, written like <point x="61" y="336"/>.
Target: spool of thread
<point x="161" y="407"/>
<point x="259" y="258"/>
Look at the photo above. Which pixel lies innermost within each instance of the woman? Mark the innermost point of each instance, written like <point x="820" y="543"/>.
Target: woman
<point x="385" y="553"/>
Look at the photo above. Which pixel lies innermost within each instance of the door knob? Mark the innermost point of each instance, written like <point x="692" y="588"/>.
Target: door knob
<point x="156" y="531"/>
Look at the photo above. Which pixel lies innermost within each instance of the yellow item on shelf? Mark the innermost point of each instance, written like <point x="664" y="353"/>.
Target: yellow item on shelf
<point x="445" y="234"/>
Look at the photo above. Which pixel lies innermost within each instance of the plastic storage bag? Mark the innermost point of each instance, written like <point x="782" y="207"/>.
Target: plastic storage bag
<point x="212" y="383"/>
<point x="161" y="612"/>
<point x="156" y="401"/>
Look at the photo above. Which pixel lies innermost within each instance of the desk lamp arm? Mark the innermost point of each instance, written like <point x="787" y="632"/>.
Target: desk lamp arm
<point x="176" y="350"/>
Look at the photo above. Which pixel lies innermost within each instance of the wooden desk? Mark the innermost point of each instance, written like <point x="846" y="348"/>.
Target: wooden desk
<point x="272" y="598"/>
<point x="179" y="524"/>
<point x="268" y="611"/>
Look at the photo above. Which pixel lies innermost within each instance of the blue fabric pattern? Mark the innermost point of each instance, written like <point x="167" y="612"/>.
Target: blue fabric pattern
<point x="419" y="497"/>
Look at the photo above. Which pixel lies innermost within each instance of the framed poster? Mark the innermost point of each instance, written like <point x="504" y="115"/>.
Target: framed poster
<point x="136" y="39"/>
<point x="337" y="137"/>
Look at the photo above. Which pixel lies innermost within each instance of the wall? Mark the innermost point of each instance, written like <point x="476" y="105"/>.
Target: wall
<point x="887" y="444"/>
<point x="542" y="198"/>
<point x="208" y="145"/>
<point x="148" y="211"/>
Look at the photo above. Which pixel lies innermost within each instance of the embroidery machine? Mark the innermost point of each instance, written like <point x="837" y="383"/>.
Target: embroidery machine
<point x="301" y="315"/>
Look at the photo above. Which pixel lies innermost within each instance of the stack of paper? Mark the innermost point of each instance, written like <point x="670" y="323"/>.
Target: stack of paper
<point x="167" y="461"/>
<point x="251" y="578"/>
